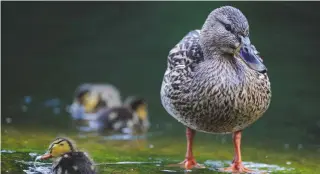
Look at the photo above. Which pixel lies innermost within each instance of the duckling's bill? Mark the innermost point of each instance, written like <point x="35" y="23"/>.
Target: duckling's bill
<point x="248" y="54"/>
<point x="45" y="156"/>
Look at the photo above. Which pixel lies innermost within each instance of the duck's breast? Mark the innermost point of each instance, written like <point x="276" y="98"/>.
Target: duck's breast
<point x="222" y="102"/>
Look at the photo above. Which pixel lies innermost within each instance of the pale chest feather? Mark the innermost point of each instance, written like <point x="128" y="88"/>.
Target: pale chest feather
<point x="226" y="87"/>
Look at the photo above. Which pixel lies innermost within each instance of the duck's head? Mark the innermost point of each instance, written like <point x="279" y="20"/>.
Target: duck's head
<point x="226" y="32"/>
<point x="139" y="106"/>
<point x="57" y="148"/>
<point x="87" y="98"/>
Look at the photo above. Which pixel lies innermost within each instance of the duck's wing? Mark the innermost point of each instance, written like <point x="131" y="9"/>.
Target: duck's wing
<point x="187" y="53"/>
<point x="182" y="61"/>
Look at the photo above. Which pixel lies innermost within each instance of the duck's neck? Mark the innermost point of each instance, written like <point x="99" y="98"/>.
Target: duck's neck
<point x="224" y="66"/>
<point x="210" y="52"/>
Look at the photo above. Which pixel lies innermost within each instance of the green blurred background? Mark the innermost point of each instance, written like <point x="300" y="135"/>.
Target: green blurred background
<point x="49" y="48"/>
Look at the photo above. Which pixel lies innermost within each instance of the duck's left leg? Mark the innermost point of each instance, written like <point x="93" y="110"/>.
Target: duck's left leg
<point x="237" y="165"/>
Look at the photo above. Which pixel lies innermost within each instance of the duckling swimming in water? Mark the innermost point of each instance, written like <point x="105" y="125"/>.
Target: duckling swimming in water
<point x="95" y="96"/>
<point x="89" y="99"/>
<point x="66" y="159"/>
<point x="130" y="118"/>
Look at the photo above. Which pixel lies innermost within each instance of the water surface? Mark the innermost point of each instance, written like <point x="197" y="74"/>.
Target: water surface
<point x="152" y="153"/>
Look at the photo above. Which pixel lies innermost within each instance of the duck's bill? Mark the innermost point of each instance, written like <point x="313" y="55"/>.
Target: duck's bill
<point x="46" y="156"/>
<point x="248" y="54"/>
<point x="251" y="59"/>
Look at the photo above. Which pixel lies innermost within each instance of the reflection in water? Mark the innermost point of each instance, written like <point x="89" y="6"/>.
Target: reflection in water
<point x="124" y="137"/>
<point x="129" y="162"/>
<point x="177" y="171"/>
<point x="258" y="167"/>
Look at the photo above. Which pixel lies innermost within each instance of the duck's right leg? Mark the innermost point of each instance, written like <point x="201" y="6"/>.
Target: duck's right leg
<point x="190" y="161"/>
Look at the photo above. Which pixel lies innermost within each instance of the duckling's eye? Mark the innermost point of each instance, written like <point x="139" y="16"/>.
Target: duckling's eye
<point x="61" y="144"/>
<point x="228" y="27"/>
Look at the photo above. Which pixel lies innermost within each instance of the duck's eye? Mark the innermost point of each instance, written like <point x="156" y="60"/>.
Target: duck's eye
<point x="228" y="27"/>
<point x="61" y="144"/>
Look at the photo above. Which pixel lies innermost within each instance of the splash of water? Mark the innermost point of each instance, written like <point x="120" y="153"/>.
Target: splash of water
<point x="37" y="159"/>
<point x="38" y="170"/>
<point x="36" y="167"/>
<point x="7" y="151"/>
<point x="169" y="171"/>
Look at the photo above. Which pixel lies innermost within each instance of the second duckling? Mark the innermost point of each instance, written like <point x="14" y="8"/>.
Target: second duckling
<point x="131" y="118"/>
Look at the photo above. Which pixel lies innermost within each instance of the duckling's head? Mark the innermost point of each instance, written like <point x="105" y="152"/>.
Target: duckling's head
<point x="226" y="32"/>
<point x="81" y="92"/>
<point x="88" y="99"/>
<point x="139" y="106"/>
<point x="59" y="147"/>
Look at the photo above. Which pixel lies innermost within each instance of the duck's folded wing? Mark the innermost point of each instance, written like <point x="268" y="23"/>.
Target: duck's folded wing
<point x="182" y="61"/>
<point x="187" y="53"/>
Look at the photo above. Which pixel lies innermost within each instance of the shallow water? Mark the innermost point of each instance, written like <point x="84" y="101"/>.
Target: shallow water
<point x="152" y="153"/>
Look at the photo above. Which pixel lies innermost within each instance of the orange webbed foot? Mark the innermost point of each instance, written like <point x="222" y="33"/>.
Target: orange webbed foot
<point x="188" y="164"/>
<point x="237" y="168"/>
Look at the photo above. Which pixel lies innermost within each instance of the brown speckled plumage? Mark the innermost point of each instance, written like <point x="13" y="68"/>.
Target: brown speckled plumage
<point x="208" y="90"/>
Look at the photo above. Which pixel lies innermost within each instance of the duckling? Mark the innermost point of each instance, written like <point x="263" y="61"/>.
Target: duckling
<point x="131" y="118"/>
<point x="95" y="96"/>
<point x="66" y="159"/>
<point x="216" y="82"/>
<point x="89" y="99"/>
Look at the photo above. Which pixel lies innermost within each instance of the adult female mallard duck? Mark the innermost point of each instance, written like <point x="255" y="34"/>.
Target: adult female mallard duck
<point x="216" y="82"/>
<point x="66" y="160"/>
<point x="130" y="118"/>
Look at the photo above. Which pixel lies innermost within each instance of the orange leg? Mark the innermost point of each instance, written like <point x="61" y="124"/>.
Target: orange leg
<point x="237" y="166"/>
<point x="190" y="161"/>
